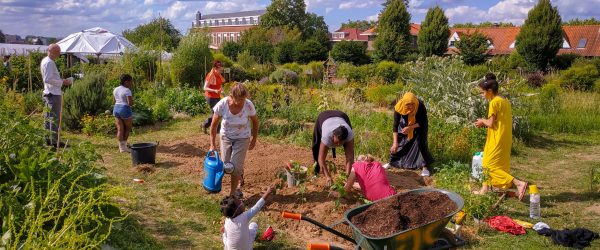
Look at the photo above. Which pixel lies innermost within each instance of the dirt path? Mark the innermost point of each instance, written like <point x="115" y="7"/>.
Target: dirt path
<point x="261" y="166"/>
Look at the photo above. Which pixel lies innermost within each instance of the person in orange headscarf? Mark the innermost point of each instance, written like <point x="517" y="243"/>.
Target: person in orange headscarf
<point x="212" y="90"/>
<point x="409" y="148"/>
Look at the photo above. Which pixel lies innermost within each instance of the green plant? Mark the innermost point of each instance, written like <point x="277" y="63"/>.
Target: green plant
<point x="351" y="52"/>
<point x="455" y="177"/>
<point x="158" y="34"/>
<point x="314" y="71"/>
<point x="579" y="77"/>
<point x="103" y="124"/>
<point x="231" y="49"/>
<point x="549" y="99"/>
<point x="227" y="63"/>
<point x="473" y="47"/>
<point x="160" y="111"/>
<point x="190" y="59"/>
<point x="388" y="71"/>
<point x="86" y="96"/>
<point x="284" y="76"/>
<point x="541" y="35"/>
<point x="245" y="59"/>
<point x="393" y="32"/>
<point x="434" y="32"/>
<point x="311" y="50"/>
<point x="286" y="52"/>
<point x="293" y="67"/>
<point x="383" y="95"/>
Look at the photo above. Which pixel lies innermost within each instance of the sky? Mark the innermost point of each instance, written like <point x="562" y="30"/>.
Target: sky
<point x="59" y="18"/>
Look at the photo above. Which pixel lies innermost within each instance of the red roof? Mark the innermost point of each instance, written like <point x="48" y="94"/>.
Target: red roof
<point x="500" y="37"/>
<point x="350" y="34"/>
<point x="503" y="37"/>
<point x="414" y="30"/>
<point x="585" y="36"/>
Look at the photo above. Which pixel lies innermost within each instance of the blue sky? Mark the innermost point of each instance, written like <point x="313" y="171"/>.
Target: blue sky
<point x="62" y="17"/>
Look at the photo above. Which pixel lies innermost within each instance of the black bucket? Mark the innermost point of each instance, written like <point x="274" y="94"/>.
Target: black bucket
<point x="143" y="153"/>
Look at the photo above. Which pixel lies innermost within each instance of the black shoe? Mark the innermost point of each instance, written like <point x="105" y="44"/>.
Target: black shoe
<point x="60" y="145"/>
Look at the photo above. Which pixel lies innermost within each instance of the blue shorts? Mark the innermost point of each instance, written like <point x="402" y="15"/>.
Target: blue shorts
<point x="122" y="111"/>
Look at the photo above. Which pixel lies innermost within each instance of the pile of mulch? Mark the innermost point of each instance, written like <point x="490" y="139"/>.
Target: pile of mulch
<point x="402" y="212"/>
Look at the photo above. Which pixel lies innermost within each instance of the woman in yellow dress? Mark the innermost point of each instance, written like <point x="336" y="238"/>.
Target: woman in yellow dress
<point x="496" y="154"/>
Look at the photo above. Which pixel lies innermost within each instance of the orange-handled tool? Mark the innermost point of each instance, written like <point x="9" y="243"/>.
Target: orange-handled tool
<point x="322" y="246"/>
<point x="289" y="215"/>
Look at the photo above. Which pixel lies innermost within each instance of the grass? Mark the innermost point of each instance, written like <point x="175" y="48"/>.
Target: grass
<point x="579" y="112"/>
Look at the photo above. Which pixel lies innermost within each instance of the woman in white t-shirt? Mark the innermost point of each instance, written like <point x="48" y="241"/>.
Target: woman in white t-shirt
<point x="122" y="111"/>
<point x="235" y="112"/>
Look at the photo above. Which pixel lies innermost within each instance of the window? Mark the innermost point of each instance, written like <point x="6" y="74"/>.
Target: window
<point x="244" y="20"/>
<point x="237" y="21"/>
<point x="452" y="44"/>
<point x="582" y="43"/>
<point x="216" y="22"/>
<point x="229" y="21"/>
<point x="565" y="44"/>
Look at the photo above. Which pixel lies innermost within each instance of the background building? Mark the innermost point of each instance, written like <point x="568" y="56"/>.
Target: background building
<point x="227" y="26"/>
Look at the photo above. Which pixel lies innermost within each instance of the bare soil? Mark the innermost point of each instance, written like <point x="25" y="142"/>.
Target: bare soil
<point x="402" y="212"/>
<point x="311" y="199"/>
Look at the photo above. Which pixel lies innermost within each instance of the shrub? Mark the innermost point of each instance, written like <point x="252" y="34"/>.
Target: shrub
<point x="48" y="203"/>
<point x="383" y="95"/>
<point x="186" y="100"/>
<point x="227" y="63"/>
<point x="238" y="73"/>
<point x="141" y="65"/>
<point x="472" y="48"/>
<point x="188" y="60"/>
<point x="245" y="59"/>
<point x="142" y="114"/>
<point x="231" y="49"/>
<point x="311" y="50"/>
<point x="388" y="71"/>
<point x="259" y="71"/>
<point x="315" y="71"/>
<point x="293" y="67"/>
<point x="284" y="76"/>
<point x="103" y="124"/>
<point x="349" y="51"/>
<point x="160" y="111"/>
<point x="563" y="61"/>
<point x="286" y="52"/>
<point x="535" y="79"/>
<point x="579" y="77"/>
<point x="477" y="72"/>
<point x="549" y="98"/>
<point x="86" y="96"/>
<point x="353" y="73"/>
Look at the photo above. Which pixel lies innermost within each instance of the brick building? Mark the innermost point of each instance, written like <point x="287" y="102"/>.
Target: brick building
<point x="227" y="26"/>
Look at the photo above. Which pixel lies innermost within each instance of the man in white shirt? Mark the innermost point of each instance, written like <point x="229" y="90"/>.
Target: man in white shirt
<point x="52" y="92"/>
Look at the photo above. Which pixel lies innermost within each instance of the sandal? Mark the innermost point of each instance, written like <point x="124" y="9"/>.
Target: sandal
<point x="522" y="192"/>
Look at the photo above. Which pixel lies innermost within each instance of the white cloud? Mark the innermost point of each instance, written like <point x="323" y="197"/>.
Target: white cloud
<point x="464" y="14"/>
<point x="328" y="9"/>
<point x="357" y="4"/>
<point x="373" y="17"/>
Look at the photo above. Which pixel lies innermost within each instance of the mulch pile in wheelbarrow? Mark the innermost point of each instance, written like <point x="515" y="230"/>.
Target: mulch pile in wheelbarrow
<point x="404" y="211"/>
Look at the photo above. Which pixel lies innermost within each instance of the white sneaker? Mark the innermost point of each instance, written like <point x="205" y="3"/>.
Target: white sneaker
<point x="123" y="147"/>
<point x="425" y="173"/>
<point x="386" y="166"/>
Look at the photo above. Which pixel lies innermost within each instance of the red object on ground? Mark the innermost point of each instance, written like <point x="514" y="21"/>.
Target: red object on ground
<point x="505" y="224"/>
<point x="268" y="235"/>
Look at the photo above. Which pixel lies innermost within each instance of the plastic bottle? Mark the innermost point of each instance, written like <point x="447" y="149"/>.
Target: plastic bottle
<point x="534" y="202"/>
<point x="477" y="165"/>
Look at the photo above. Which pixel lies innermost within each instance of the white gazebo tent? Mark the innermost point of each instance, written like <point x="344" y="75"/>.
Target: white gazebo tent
<point x="97" y="41"/>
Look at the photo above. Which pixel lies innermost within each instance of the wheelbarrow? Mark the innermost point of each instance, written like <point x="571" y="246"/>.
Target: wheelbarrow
<point x="422" y="237"/>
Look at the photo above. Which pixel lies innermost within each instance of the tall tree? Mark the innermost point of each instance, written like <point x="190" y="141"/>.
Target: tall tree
<point x="315" y="28"/>
<point x="433" y="36"/>
<point x="2" y="37"/>
<point x="393" y="32"/>
<point x="350" y="51"/>
<point x="472" y="48"/>
<point x="359" y="24"/>
<point x="577" y="21"/>
<point x="284" y="13"/>
<point x="541" y="35"/>
<point x="387" y="2"/>
<point x="158" y="32"/>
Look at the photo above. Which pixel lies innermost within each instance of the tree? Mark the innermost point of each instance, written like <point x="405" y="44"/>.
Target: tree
<point x="350" y="51"/>
<point x="392" y="42"/>
<point x="286" y="52"/>
<point x="257" y="41"/>
<point x="188" y="63"/>
<point x="472" y="48"/>
<point x="541" y="35"/>
<point x="482" y="25"/>
<point x="315" y="28"/>
<point x="576" y="21"/>
<point x="2" y="37"/>
<point x="359" y="24"/>
<point x="231" y="49"/>
<point x="311" y="50"/>
<point x="284" y="13"/>
<point x="387" y="2"/>
<point x="158" y="33"/>
<point x="433" y="36"/>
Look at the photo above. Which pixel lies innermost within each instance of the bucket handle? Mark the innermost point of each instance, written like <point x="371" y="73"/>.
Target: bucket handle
<point x="213" y="151"/>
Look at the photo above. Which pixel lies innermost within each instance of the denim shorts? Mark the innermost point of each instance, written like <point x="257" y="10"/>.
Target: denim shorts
<point x="122" y="111"/>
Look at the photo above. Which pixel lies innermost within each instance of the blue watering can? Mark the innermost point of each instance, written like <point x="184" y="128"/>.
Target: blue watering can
<point x="213" y="172"/>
